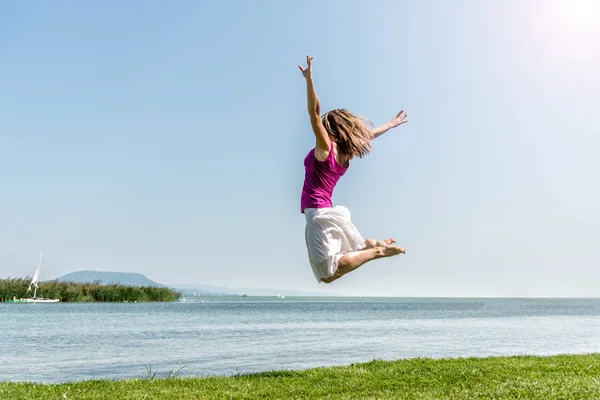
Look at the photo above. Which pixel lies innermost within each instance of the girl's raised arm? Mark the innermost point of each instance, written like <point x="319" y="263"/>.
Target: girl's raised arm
<point x="314" y="109"/>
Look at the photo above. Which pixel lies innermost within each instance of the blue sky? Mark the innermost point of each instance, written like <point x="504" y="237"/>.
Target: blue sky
<point x="168" y="139"/>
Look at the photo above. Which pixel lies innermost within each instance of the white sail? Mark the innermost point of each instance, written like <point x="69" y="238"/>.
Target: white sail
<point x="34" y="283"/>
<point x="36" y="276"/>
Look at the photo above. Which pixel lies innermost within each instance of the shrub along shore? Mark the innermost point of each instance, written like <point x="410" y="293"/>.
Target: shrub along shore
<point x="85" y="292"/>
<point x="524" y="377"/>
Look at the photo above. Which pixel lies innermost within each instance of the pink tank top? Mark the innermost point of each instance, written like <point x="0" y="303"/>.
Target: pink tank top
<point x="319" y="180"/>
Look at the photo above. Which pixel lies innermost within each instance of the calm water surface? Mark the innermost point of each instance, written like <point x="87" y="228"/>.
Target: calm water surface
<point x="64" y="342"/>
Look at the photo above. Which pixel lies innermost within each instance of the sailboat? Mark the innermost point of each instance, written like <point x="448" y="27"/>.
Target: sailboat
<point x="34" y="283"/>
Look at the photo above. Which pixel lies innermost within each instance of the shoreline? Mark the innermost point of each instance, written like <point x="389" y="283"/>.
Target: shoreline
<point x="575" y="376"/>
<point x="184" y="298"/>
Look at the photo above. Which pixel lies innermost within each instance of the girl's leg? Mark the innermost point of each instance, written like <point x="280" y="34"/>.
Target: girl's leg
<point x="351" y="261"/>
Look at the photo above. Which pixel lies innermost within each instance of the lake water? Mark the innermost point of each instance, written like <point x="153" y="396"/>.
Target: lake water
<point x="65" y="342"/>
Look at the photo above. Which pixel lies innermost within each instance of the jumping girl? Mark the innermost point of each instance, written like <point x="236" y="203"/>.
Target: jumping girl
<point x="335" y="247"/>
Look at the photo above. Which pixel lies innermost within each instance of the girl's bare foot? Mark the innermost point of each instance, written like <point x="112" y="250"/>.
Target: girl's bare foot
<point x="386" y="242"/>
<point x="389" y="251"/>
<point x="370" y="243"/>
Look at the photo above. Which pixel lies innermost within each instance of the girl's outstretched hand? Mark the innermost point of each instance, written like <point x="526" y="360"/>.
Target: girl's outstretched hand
<point x="307" y="73"/>
<point x="399" y="119"/>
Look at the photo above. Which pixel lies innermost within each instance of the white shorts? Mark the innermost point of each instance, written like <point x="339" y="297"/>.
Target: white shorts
<point x="330" y="234"/>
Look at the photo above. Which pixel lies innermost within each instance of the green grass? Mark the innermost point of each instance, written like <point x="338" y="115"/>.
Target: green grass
<point x="524" y="377"/>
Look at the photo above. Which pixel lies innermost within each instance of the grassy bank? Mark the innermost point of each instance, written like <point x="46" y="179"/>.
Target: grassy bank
<point x="85" y="292"/>
<point x="557" y="377"/>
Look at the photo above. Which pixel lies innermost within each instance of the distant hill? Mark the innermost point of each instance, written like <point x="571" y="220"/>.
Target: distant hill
<point x="200" y="289"/>
<point x="135" y="279"/>
<point x="123" y="278"/>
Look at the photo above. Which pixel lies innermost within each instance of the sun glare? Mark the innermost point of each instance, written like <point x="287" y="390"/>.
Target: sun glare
<point x="568" y="28"/>
<point x="575" y="16"/>
<point x="581" y="14"/>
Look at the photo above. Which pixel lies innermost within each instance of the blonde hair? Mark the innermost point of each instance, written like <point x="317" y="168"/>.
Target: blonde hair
<point x="350" y="131"/>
